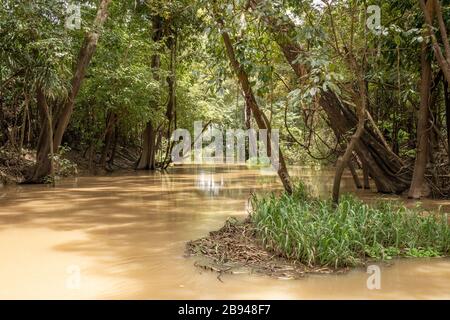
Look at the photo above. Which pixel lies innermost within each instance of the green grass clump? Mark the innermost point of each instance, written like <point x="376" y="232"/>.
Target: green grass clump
<point x="315" y="233"/>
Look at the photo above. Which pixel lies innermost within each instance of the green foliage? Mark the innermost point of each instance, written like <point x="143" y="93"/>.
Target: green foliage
<point x="315" y="233"/>
<point x="36" y="50"/>
<point x="63" y="167"/>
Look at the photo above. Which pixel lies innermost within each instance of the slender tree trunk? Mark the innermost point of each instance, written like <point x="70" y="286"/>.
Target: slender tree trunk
<point x="108" y="137"/>
<point x="114" y="147"/>
<point x="157" y="147"/>
<point x="172" y="102"/>
<point x="432" y="9"/>
<point x="423" y="132"/>
<point x="24" y="121"/>
<point x="87" y="50"/>
<point x="146" y="160"/>
<point x="360" y="100"/>
<point x="366" y="177"/>
<point x="248" y="115"/>
<point x="447" y="115"/>
<point x="356" y="180"/>
<point x="250" y="100"/>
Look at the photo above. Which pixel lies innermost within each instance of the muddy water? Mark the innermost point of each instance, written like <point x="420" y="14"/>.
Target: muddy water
<point x="123" y="237"/>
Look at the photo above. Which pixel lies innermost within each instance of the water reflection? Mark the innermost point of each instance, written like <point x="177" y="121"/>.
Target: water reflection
<point x="126" y="233"/>
<point x="209" y="183"/>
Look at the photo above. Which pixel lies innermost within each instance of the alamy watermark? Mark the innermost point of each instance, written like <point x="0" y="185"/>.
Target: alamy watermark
<point x="374" y="280"/>
<point x="373" y="21"/>
<point x="226" y="146"/>
<point x="73" y="281"/>
<point x="73" y="16"/>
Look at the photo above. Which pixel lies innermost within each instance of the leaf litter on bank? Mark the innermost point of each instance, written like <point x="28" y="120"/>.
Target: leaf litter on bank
<point x="235" y="249"/>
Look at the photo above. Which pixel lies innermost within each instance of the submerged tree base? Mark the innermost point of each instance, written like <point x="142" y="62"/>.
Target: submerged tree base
<point x="236" y="249"/>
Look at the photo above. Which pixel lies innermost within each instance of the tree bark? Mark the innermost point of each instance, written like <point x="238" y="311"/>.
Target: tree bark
<point x="366" y="177"/>
<point x="432" y="8"/>
<point x="108" y="137"/>
<point x="447" y="115"/>
<point x="423" y="130"/>
<point x="250" y="100"/>
<point x="172" y="101"/>
<point x="43" y="163"/>
<point x="360" y="99"/>
<point x="43" y="166"/>
<point x="146" y="160"/>
<point x="386" y="168"/>
<point x="356" y="180"/>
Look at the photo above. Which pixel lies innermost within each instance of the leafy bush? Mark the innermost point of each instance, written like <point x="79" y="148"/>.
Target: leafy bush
<point x="63" y="167"/>
<point x="315" y="233"/>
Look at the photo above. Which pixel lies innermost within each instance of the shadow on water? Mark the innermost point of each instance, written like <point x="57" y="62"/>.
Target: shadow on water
<point x="126" y="235"/>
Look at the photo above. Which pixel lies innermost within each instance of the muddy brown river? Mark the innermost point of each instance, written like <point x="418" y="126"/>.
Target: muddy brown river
<point x="123" y="237"/>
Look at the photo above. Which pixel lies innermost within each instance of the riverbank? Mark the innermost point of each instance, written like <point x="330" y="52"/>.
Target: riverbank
<point x="15" y="166"/>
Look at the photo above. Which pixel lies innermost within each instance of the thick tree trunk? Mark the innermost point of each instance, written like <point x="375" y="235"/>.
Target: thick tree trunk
<point x="250" y="100"/>
<point x="43" y="166"/>
<point x="423" y="128"/>
<point x="146" y="160"/>
<point x="43" y="163"/>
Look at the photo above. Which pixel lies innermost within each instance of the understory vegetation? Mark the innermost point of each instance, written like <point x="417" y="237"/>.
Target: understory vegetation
<point x="362" y="85"/>
<point x="317" y="233"/>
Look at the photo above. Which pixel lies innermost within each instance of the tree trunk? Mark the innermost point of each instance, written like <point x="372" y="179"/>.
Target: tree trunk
<point x="344" y="160"/>
<point x="447" y="115"/>
<point x="114" y="148"/>
<point x="360" y="99"/>
<point x="423" y="132"/>
<point x="108" y="137"/>
<point x="356" y="180"/>
<point x="386" y="168"/>
<point x="43" y="163"/>
<point x="172" y="102"/>
<point x="432" y="8"/>
<point x="43" y="166"/>
<point x="366" y="177"/>
<point x="250" y="100"/>
<point x="146" y="160"/>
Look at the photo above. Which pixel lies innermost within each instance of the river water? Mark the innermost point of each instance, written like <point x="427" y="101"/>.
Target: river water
<point x="123" y="237"/>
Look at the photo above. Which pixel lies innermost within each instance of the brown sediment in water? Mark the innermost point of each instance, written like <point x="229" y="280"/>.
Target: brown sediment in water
<point x="127" y="233"/>
<point x="235" y="248"/>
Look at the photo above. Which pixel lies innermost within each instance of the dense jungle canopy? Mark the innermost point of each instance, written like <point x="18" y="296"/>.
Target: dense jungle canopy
<point x="360" y="84"/>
